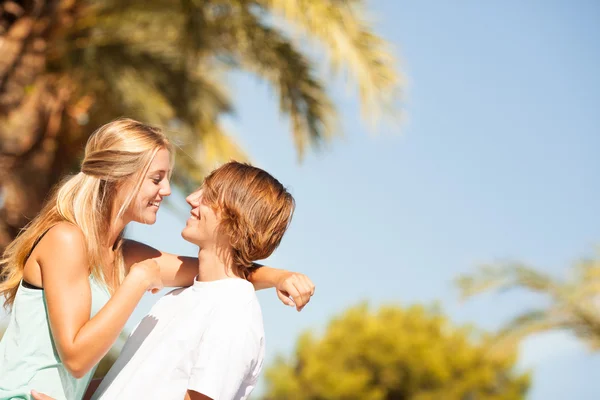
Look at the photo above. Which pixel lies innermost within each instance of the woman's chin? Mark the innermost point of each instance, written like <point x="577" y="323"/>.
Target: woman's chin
<point x="147" y="219"/>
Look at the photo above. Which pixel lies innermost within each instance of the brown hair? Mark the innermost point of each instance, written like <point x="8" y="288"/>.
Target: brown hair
<point x="255" y="210"/>
<point x="119" y="152"/>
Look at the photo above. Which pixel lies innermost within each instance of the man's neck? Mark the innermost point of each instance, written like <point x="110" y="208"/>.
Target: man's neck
<point x="213" y="266"/>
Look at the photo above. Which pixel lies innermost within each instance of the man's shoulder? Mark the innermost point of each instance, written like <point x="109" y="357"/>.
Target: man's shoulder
<point x="242" y="305"/>
<point x="236" y="294"/>
<point x="238" y="307"/>
<point x="172" y="296"/>
<point x="169" y="302"/>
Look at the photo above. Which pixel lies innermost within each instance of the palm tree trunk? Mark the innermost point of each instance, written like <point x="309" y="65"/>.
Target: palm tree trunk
<point x="31" y="110"/>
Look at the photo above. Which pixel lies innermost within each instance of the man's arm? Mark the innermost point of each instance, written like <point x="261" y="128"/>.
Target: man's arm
<point x="288" y="284"/>
<point x="180" y="271"/>
<point x="175" y="271"/>
<point x="230" y="354"/>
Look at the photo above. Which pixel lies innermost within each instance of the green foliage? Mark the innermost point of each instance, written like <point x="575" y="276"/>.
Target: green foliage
<point x="573" y="303"/>
<point x="395" y="354"/>
<point x="169" y="61"/>
<point x="69" y="66"/>
<point x="109" y="359"/>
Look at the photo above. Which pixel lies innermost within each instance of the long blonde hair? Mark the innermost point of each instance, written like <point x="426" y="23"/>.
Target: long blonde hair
<point x="118" y="153"/>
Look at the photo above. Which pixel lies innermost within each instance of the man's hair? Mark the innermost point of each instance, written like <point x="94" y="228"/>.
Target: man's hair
<point x="255" y="210"/>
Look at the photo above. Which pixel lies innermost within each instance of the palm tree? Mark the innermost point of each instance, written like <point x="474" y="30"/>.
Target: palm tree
<point x="574" y="303"/>
<point x="68" y="66"/>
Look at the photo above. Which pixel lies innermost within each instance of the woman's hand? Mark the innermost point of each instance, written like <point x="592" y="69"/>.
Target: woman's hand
<point x="149" y="272"/>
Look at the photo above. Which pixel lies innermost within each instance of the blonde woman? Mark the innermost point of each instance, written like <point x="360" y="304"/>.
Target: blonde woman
<point x="71" y="278"/>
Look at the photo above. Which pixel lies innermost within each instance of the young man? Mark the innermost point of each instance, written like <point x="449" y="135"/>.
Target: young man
<point x="207" y="341"/>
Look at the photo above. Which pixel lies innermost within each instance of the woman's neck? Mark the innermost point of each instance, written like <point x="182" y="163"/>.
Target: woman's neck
<point x="114" y="231"/>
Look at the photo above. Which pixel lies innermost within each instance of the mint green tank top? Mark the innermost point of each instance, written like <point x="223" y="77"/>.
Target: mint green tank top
<point x="28" y="357"/>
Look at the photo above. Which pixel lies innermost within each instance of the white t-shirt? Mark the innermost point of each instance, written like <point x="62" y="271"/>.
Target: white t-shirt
<point x="208" y="338"/>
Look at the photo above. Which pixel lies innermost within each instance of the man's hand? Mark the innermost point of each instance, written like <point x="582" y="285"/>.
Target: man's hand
<point x="40" y="396"/>
<point x="297" y="286"/>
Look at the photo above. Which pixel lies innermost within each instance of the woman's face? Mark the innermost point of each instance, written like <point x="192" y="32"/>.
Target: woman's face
<point x="155" y="186"/>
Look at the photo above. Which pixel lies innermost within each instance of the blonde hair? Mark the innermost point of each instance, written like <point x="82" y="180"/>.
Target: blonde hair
<point x="255" y="210"/>
<point x="116" y="154"/>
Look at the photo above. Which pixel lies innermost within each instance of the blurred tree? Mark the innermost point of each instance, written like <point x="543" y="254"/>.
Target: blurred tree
<point x="109" y="359"/>
<point x="574" y="304"/>
<point x="395" y="354"/>
<point x="68" y="66"/>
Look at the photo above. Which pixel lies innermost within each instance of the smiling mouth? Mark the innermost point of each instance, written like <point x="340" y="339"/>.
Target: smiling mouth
<point x="154" y="203"/>
<point x="193" y="216"/>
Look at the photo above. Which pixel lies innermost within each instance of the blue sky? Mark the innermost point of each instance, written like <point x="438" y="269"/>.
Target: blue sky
<point x="498" y="160"/>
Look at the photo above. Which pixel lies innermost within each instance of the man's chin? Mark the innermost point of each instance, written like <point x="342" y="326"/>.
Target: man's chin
<point x="187" y="238"/>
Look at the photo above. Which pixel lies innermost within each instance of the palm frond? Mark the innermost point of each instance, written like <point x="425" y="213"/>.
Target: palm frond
<point x="573" y="306"/>
<point x="524" y="325"/>
<point x="587" y="274"/>
<point x="198" y="157"/>
<point x="263" y="51"/>
<point x="506" y="276"/>
<point x="341" y="27"/>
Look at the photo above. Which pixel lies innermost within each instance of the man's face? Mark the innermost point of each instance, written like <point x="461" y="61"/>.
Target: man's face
<point x="201" y="227"/>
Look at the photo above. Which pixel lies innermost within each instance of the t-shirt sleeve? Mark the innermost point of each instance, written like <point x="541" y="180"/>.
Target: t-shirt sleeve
<point x="226" y="357"/>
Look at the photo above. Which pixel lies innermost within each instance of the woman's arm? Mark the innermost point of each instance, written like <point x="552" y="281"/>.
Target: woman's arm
<point x="179" y="271"/>
<point x="81" y="342"/>
<point x="175" y="271"/>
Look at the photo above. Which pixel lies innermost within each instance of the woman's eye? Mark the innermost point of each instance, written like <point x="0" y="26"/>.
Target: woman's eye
<point x="156" y="181"/>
